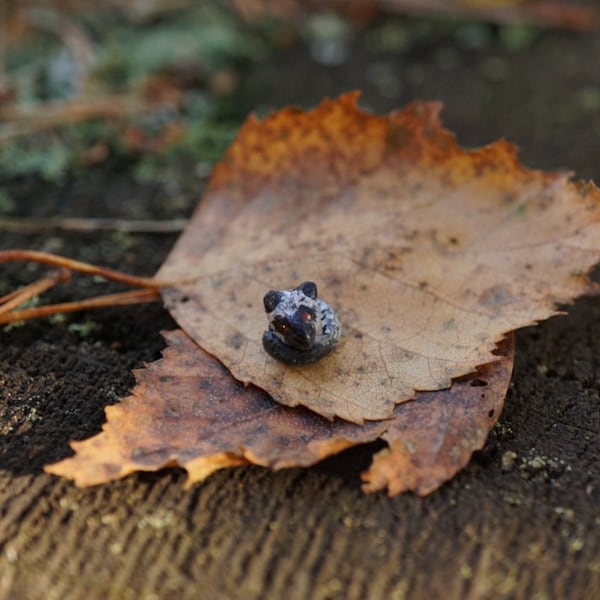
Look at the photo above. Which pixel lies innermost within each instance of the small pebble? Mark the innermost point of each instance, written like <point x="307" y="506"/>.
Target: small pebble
<point x="509" y="459"/>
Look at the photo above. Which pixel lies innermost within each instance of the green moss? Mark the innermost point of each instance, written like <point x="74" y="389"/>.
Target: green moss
<point x="520" y="36"/>
<point x="7" y="204"/>
<point x="191" y="46"/>
<point x="206" y="37"/>
<point x="26" y="157"/>
<point x="84" y="329"/>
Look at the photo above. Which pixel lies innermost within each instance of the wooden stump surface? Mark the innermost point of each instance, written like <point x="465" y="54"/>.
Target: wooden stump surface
<point x="522" y="521"/>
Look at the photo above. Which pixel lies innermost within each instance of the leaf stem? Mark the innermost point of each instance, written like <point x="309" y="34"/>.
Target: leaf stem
<point x="9" y="313"/>
<point x="80" y="267"/>
<point x="120" y="299"/>
<point x="22" y="295"/>
<point x="29" y="225"/>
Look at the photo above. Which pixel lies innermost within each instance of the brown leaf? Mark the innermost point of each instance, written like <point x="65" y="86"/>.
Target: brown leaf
<point x="187" y="411"/>
<point x="431" y="439"/>
<point x="430" y="253"/>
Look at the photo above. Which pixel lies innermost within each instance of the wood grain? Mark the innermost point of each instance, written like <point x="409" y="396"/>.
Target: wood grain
<point x="529" y="531"/>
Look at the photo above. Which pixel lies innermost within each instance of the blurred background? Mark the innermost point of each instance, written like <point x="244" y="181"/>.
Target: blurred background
<point x="158" y="88"/>
<point x="112" y="115"/>
<point x="111" y="95"/>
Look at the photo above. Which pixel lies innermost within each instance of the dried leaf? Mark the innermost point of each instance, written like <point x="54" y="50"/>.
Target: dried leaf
<point x="431" y="439"/>
<point x="187" y="411"/>
<point x="430" y="253"/>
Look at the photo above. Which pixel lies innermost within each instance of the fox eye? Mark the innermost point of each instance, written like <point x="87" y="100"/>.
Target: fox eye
<point x="307" y="316"/>
<point x="280" y="325"/>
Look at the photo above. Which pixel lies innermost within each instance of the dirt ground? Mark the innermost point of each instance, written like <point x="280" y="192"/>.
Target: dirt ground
<point x="522" y="521"/>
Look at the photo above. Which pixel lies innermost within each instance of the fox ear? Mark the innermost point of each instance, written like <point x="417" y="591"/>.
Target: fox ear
<point x="309" y="288"/>
<point x="271" y="300"/>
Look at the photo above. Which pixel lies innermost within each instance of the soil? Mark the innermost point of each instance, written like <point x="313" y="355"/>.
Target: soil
<point x="521" y="521"/>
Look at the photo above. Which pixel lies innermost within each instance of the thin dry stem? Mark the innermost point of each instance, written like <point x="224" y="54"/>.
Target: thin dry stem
<point x="120" y="299"/>
<point x="29" y="225"/>
<point x="20" y="121"/>
<point x="149" y="292"/>
<point x="22" y="295"/>
<point x="81" y="267"/>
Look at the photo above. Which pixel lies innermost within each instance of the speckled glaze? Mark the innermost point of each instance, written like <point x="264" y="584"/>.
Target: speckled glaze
<point x="302" y="327"/>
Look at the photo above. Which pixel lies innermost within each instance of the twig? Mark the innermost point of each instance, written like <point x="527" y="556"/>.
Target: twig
<point x="60" y="112"/>
<point x="81" y="267"/>
<point x="149" y="292"/>
<point x="28" y="225"/>
<point x="22" y="295"/>
<point x="68" y="31"/>
<point x="121" y="299"/>
<point x="20" y="121"/>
